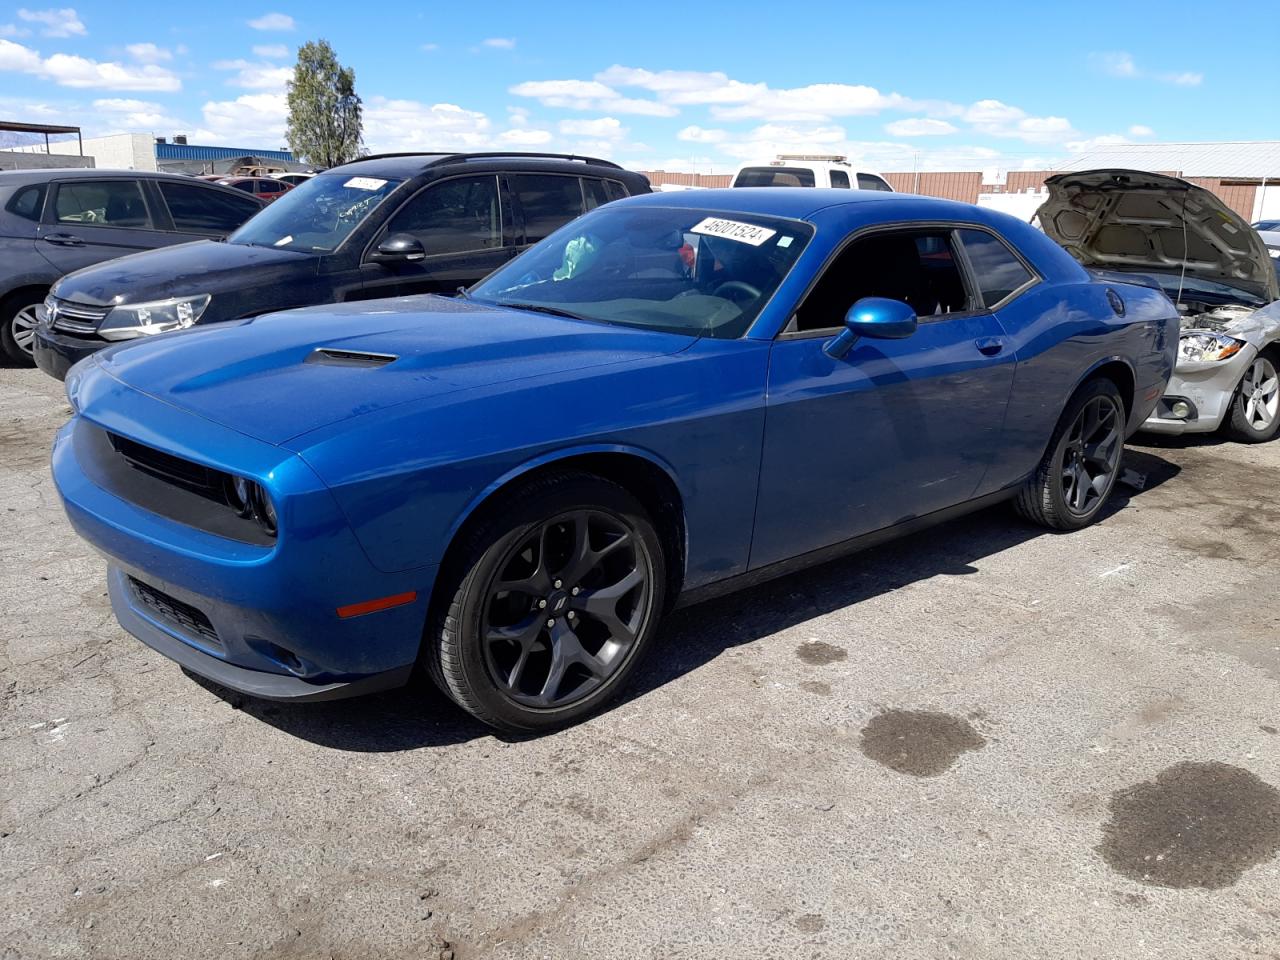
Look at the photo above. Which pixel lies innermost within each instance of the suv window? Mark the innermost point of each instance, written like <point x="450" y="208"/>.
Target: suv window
<point x="453" y="215"/>
<point x="918" y="268"/>
<point x="548" y="201"/>
<point x="774" y="177"/>
<point x="869" y="181"/>
<point x="202" y="210"/>
<point x="27" y="202"/>
<point x="616" y="190"/>
<point x="839" y="179"/>
<point x="594" y="193"/>
<point x="109" y="203"/>
<point x="269" y="186"/>
<point x="997" y="271"/>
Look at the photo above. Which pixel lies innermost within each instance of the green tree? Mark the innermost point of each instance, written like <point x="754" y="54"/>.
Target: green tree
<point x="324" y="109"/>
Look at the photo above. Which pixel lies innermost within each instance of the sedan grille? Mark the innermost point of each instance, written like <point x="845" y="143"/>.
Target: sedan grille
<point x="75" y="317"/>
<point x="174" y="612"/>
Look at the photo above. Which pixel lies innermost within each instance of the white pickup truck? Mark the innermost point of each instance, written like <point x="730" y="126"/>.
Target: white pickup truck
<point x="808" y="170"/>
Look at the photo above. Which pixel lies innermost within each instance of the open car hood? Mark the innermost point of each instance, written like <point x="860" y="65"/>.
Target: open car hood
<point x="1134" y="221"/>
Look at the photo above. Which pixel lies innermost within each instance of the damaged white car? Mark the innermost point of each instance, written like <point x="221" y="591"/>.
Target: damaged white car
<point x="1166" y="232"/>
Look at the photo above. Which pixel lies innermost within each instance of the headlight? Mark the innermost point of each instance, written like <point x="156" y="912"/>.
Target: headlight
<point x="142" y="319"/>
<point x="249" y="499"/>
<point x="1198" y="347"/>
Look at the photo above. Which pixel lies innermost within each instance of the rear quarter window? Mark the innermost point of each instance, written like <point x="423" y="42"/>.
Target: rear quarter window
<point x="206" y="210"/>
<point x="27" y="202"/>
<point x="997" y="270"/>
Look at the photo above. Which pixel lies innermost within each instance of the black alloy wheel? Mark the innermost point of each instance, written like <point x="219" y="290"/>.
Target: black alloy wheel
<point x="556" y="592"/>
<point x="1081" y="464"/>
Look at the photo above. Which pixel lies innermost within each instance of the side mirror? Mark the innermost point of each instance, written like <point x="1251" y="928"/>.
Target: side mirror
<point x="876" y="317"/>
<point x="398" y="248"/>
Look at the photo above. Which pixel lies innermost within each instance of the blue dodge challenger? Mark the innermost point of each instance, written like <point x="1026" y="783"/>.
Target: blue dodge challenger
<point x="671" y="396"/>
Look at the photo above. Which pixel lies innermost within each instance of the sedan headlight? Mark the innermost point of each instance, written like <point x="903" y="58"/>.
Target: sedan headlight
<point x="1200" y="347"/>
<point x="250" y="500"/>
<point x="131" y="320"/>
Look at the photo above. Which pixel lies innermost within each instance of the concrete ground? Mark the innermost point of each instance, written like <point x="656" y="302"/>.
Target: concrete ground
<point x="982" y="741"/>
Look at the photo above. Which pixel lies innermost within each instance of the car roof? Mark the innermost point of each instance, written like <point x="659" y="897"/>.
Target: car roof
<point x="801" y="203"/>
<point x="405" y="165"/>
<point x="40" y="175"/>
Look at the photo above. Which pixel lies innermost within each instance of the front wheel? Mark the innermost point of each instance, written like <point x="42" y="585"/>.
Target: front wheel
<point x="1075" y="477"/>
<point x="555" y="596"/>
<point x="1255" y="408"/>
<point x="18" y="328"/>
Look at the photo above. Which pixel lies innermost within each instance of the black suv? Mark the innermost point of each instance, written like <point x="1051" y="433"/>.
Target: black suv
<point x="382" y="226"/>
<point x="56" y="221"/>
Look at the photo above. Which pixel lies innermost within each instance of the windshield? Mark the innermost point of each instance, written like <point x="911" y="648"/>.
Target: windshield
<point x="695" y="272"/>
<point x="315" y="216"/>
<point x="774" y="177"/>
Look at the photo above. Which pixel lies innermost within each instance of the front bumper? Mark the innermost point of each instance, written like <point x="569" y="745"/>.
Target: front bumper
<point x="258" y="619"/>
<point x="56" y="353"/>
<point x="1208" y="388"/>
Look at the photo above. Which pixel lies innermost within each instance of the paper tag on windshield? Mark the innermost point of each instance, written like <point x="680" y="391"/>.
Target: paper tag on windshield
<point x="365" y="183"/>
<point x="733" y="230"/>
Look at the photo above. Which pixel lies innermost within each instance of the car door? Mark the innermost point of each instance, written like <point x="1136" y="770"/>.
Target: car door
<point x="894" y="429"/>
<point x="545" y="202"/>
<point x="461" y="223"/>
<point x="91" y="220"/>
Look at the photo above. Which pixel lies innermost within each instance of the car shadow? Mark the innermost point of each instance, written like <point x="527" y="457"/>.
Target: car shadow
<point x="419" y="716"/>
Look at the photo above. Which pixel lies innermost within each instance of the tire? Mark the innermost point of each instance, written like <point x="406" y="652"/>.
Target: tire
<point x="1255" y="406"/>
<point x="584" y="577"/>
<point x="17" y="327"/>
<point x="1063" y="493"/>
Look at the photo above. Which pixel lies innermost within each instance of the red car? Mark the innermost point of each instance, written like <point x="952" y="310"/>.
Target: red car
<point x="265" y="189"/>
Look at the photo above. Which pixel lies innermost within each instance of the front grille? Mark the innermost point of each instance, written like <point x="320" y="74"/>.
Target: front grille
<point x="174" y="612"/>
<point x="75" y="317"/>
<point x="182" y="473"/>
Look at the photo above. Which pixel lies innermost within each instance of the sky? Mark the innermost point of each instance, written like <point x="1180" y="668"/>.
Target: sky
<point x="692" y="87"/>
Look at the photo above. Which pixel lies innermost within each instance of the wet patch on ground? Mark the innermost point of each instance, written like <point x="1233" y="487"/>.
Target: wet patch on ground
<point x="1195" y="825"/>
<point x="922" y="743"/>
<point x="810" y="923"/>
<point x="816" y="687"/>
<point x="816" y="653"/>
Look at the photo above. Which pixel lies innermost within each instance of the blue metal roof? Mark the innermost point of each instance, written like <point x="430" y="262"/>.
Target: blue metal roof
<point x="191" y="151"/>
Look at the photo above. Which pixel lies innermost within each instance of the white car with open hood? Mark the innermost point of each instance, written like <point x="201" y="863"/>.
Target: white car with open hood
<point x="1158" y="230"/>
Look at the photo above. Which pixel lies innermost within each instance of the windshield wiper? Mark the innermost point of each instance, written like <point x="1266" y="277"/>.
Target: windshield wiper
<point x="542" y="308"/>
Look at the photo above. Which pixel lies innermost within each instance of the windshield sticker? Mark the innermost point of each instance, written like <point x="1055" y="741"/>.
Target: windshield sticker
<point x="283" y="240"/>
<point x="784" y="242"/>
<point x="733" y="230"/>
<point x="365" y="183"/>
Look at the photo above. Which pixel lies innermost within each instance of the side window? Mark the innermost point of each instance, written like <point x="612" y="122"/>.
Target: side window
<point x="996" y="270"/>
<point x="108" y="203"/>
<point x="453" y="216"/>
<point x="594" y="193"/>
<point x="245" y="185"/>
<point x="839" y="179"/>
<point x="869" y="181"/>
<point x="27" y="202"/>
<point x="616" y="190"/>
<point x="918" y="268"/>
<point x="202" y="210"/>
<point x="271" y="187"/>
<point x="548" y="201"/>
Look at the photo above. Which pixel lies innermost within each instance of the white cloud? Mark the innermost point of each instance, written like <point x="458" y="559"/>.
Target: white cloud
<point x="919" y="127"/>
<point x="524" y="137"/>
<point x="409" y="124"/>
<point x="1121" y="64"/>
<point x="255" y="76"/>
<point x="72" y="71"/>
<point x="605" y="128"/>
<point x="273" y="21"/>
<point x="55" y="23"/>
<point x="430" y="47"/>
<point x="696" y="134"/>
<point x="123" y="116"/>
<point x="252" y="120"/>
<point x="148" y="53"/>
<point x="499" y="43"/>
<point x="1187" y="79"/>
<point x="271" y="51"/>
<point x="998" y="119"/>
<point x="1141" y="130"/>
<point x="12" y="30"/>
<point x="588" y="95"/>
<point x="1106" y="139"/>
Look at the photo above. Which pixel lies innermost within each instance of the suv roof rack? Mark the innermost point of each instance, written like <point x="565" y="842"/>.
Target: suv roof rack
<point x="446" y="156"/>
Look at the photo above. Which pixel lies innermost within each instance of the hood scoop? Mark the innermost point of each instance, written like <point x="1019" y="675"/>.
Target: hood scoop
<point x="334" y="357"/>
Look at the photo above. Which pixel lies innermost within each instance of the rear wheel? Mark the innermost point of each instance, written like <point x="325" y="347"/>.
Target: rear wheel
<point x="18" y="327"/>
<point x="1078" y="472"/>
<point x="1255" y="408"/>
<point x="554" y="598"/>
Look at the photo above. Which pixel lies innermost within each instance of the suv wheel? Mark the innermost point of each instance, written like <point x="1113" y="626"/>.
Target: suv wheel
<point x="18" y="327"/>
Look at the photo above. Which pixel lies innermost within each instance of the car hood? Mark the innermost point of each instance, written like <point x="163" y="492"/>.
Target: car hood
<point x="281" y="375"/>
<point x="1130" y="220"/>
<point x="203" y="266"/>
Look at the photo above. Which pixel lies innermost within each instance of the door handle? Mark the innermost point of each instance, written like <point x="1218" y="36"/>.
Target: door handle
<point x="64" y="240"/>
<point x="989" y="346"/>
